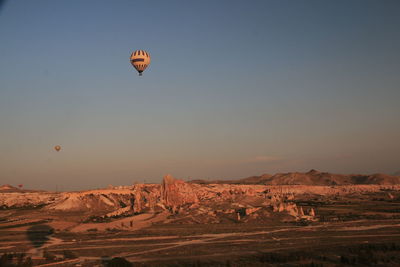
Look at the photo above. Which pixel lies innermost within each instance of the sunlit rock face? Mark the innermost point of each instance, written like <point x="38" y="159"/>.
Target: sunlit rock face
<point x="138" y="198"/>
<point x="22" y="199"/>
<point x="94" y="200"/>
<point x="176" y="193"/>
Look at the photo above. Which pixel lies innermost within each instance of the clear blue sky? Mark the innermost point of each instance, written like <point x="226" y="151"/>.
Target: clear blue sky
<point x="235" y="88"/>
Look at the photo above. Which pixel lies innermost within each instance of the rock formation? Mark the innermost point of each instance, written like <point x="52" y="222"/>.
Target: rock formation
<point x="312" y="212"/>
<point x="176" y="193"/>
<point x="190" y="202"/>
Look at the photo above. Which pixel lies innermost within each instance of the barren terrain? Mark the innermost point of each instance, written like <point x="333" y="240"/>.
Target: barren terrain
<point x="191" y="224"/>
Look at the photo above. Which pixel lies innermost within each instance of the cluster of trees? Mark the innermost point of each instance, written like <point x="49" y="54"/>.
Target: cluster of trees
<point x="15" y="259"/>
<point x="67" y="255"/>
<point x="21" y="260"/>
<point x="283" y="257"/>
<point x="377" y="254"/>
<point x="372" y="254"/>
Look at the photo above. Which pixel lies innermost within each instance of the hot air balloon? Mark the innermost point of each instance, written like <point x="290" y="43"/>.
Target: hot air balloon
<point x="57" y="148"/>
<point x="140" y="59"/>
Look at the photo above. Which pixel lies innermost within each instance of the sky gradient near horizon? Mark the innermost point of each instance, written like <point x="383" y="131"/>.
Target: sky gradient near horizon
<point x="234" y="89"/>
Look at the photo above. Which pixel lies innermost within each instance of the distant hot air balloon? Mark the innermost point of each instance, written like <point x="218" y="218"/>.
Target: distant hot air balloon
<point x="140" y="59"/>
<point x="20" y="185"/>
<point x="57" y="148"/>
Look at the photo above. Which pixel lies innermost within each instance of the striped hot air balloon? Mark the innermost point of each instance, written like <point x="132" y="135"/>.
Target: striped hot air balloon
<point x="140" y="59"/>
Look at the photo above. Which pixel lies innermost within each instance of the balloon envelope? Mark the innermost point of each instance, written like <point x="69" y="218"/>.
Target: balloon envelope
<point x="57" y="148"/>
<point x="140" y="59"/>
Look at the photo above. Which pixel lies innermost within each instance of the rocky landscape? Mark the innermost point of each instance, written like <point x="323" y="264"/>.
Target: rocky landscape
<point x="185" y="202"/>
<point x="251" y="198"/>
<point x="259" y="202"/>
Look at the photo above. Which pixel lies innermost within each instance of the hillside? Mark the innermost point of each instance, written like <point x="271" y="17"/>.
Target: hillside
<point x="312" y="177"/>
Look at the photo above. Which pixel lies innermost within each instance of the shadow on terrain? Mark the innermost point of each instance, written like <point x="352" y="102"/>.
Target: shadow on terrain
<point x="38" y="235"/>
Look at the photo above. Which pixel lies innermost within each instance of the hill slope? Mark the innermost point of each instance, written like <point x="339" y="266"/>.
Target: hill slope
<point x="312" y="177"/>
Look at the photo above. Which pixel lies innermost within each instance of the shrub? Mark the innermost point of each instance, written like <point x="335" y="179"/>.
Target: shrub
<point x="68" y="254"/>
<point x="118" y="262"/>
<point x="48" y="255"/>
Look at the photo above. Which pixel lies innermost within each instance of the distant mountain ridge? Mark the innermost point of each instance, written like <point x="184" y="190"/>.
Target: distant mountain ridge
<point x="312" y="177"/>
<point x="8" y="188"/>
